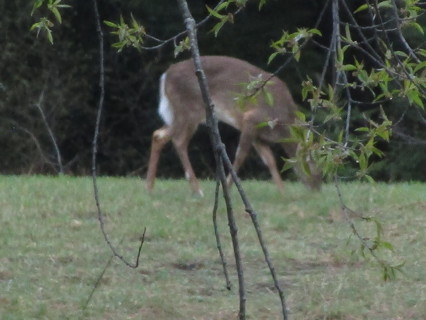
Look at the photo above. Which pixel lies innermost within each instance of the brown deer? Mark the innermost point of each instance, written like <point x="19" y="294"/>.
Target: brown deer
<point x="182" y="109"/>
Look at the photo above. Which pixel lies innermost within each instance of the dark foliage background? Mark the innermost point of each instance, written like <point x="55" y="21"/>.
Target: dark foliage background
<point x="65" y="75"/>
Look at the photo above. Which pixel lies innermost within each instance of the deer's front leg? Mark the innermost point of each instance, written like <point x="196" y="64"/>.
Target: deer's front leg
<point x="180" y="142"/>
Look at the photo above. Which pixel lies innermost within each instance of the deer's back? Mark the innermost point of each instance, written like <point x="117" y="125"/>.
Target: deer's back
<point x="228" y="79"/>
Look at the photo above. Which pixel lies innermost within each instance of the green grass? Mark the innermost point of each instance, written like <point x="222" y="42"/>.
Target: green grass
<point x="52" y="251"/>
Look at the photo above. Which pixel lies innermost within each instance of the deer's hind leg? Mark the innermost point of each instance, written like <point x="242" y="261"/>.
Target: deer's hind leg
<point x="244" y="145"/>
<point x="160" y="138"/>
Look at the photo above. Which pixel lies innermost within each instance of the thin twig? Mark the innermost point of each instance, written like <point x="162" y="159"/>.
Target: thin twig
<point x="173" y="39"/>
<point x="216" y="233"/>
<point x="336" y="48"/>
<point x="98" y="280"/>
<point x="400" y="35"/>
<point x="408" y="138"/>
<point x="39" y="105"/>
<point x="347" y="215"/>
<point x="95" y="145"/>
<point x="36" y="142"/>
<point x="396" y="56"/>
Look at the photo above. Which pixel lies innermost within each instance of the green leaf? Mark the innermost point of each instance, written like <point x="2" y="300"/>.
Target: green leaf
<point x="297" y="132"/>
<point x="400" y="53"/>
<point x="214" y="13"/>
<point x="348" y="67"/>
<point x="361" y="8"/>
<point x="269" y="98"/>
<point x="305" y="168"/>
<point x="362" y="129"/>
<point x="262" y="124"/>
<point x="297" y="55"/>
<point x="37" y="4"/>
<point x="419" y="66"/>
<point x="369" y="178"/>
<point x="384" y="4"/>
<point x="417" y="26"/>
<point x="288" y="164"/>
<point x="348" y="33"/>
<point x="223" y="5"/>
<point x="182" y="46"/>
<point x="315" y="31"/>
<point x="111" y="24"/>
<point x="414" y="97"/>
<point x="135" y="24"/>
<point x="49" y="36"/>
<point x="217" y="27"/>
<point x="386" y="245"/>
<point x="36" y="25"/>
<point x="272" y="57"/>
<point x="118" y="45"/>
<point x="55" y="11"/>
<point x="300" y="115"/>
<point x="261" y="4"/>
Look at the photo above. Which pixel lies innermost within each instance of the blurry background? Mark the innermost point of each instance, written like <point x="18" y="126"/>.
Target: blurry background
<point x="63" y="78"/>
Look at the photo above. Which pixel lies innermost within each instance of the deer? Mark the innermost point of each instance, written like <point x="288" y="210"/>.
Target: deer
<point x="182" y="110"/>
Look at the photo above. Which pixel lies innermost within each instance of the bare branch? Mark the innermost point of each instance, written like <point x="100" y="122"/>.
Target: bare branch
<point x="223" y="159"/>
<point x="408" y="139"/>
<point x="216" y="232"/>
<point x="98" y="280"/>
<point x="36" y="142"/>
<point x="39" y="106"/>
<point x="216" y="140"/>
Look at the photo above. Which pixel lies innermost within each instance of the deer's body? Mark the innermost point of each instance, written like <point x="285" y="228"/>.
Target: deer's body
<point x="182" y="110"/>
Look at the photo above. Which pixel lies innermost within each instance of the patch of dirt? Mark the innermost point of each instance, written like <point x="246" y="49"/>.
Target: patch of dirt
<point x="335" y="316"/>
<point x="65" y="259"/>
<point x="188" y="266"/>
<point x="269" y="286"/>
<point x="145" y="272"/>
<point x="153" y="312"/>
<point x="219" y="315"/>
<point x="335" y="215"/>
<point x="311" y="266"/>
<point x="6" y="275"/>
<point x="307" y="266"/>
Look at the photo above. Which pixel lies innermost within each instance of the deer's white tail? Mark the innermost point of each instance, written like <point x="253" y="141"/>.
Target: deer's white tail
<point x="164" y="108"/>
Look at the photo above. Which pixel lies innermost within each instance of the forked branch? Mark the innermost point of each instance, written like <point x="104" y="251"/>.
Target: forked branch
<point x="221" y="160"/>
<point x="217" y="235"/>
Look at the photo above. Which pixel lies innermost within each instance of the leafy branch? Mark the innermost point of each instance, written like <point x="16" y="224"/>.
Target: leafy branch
<point x="394" y="74"/>
<point x="373" y="245"/>
<point x="45" y="24"/>
<point x="128" y="36"/>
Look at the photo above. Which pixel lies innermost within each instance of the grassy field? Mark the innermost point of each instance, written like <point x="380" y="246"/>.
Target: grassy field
<point x="52" y="252"/>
